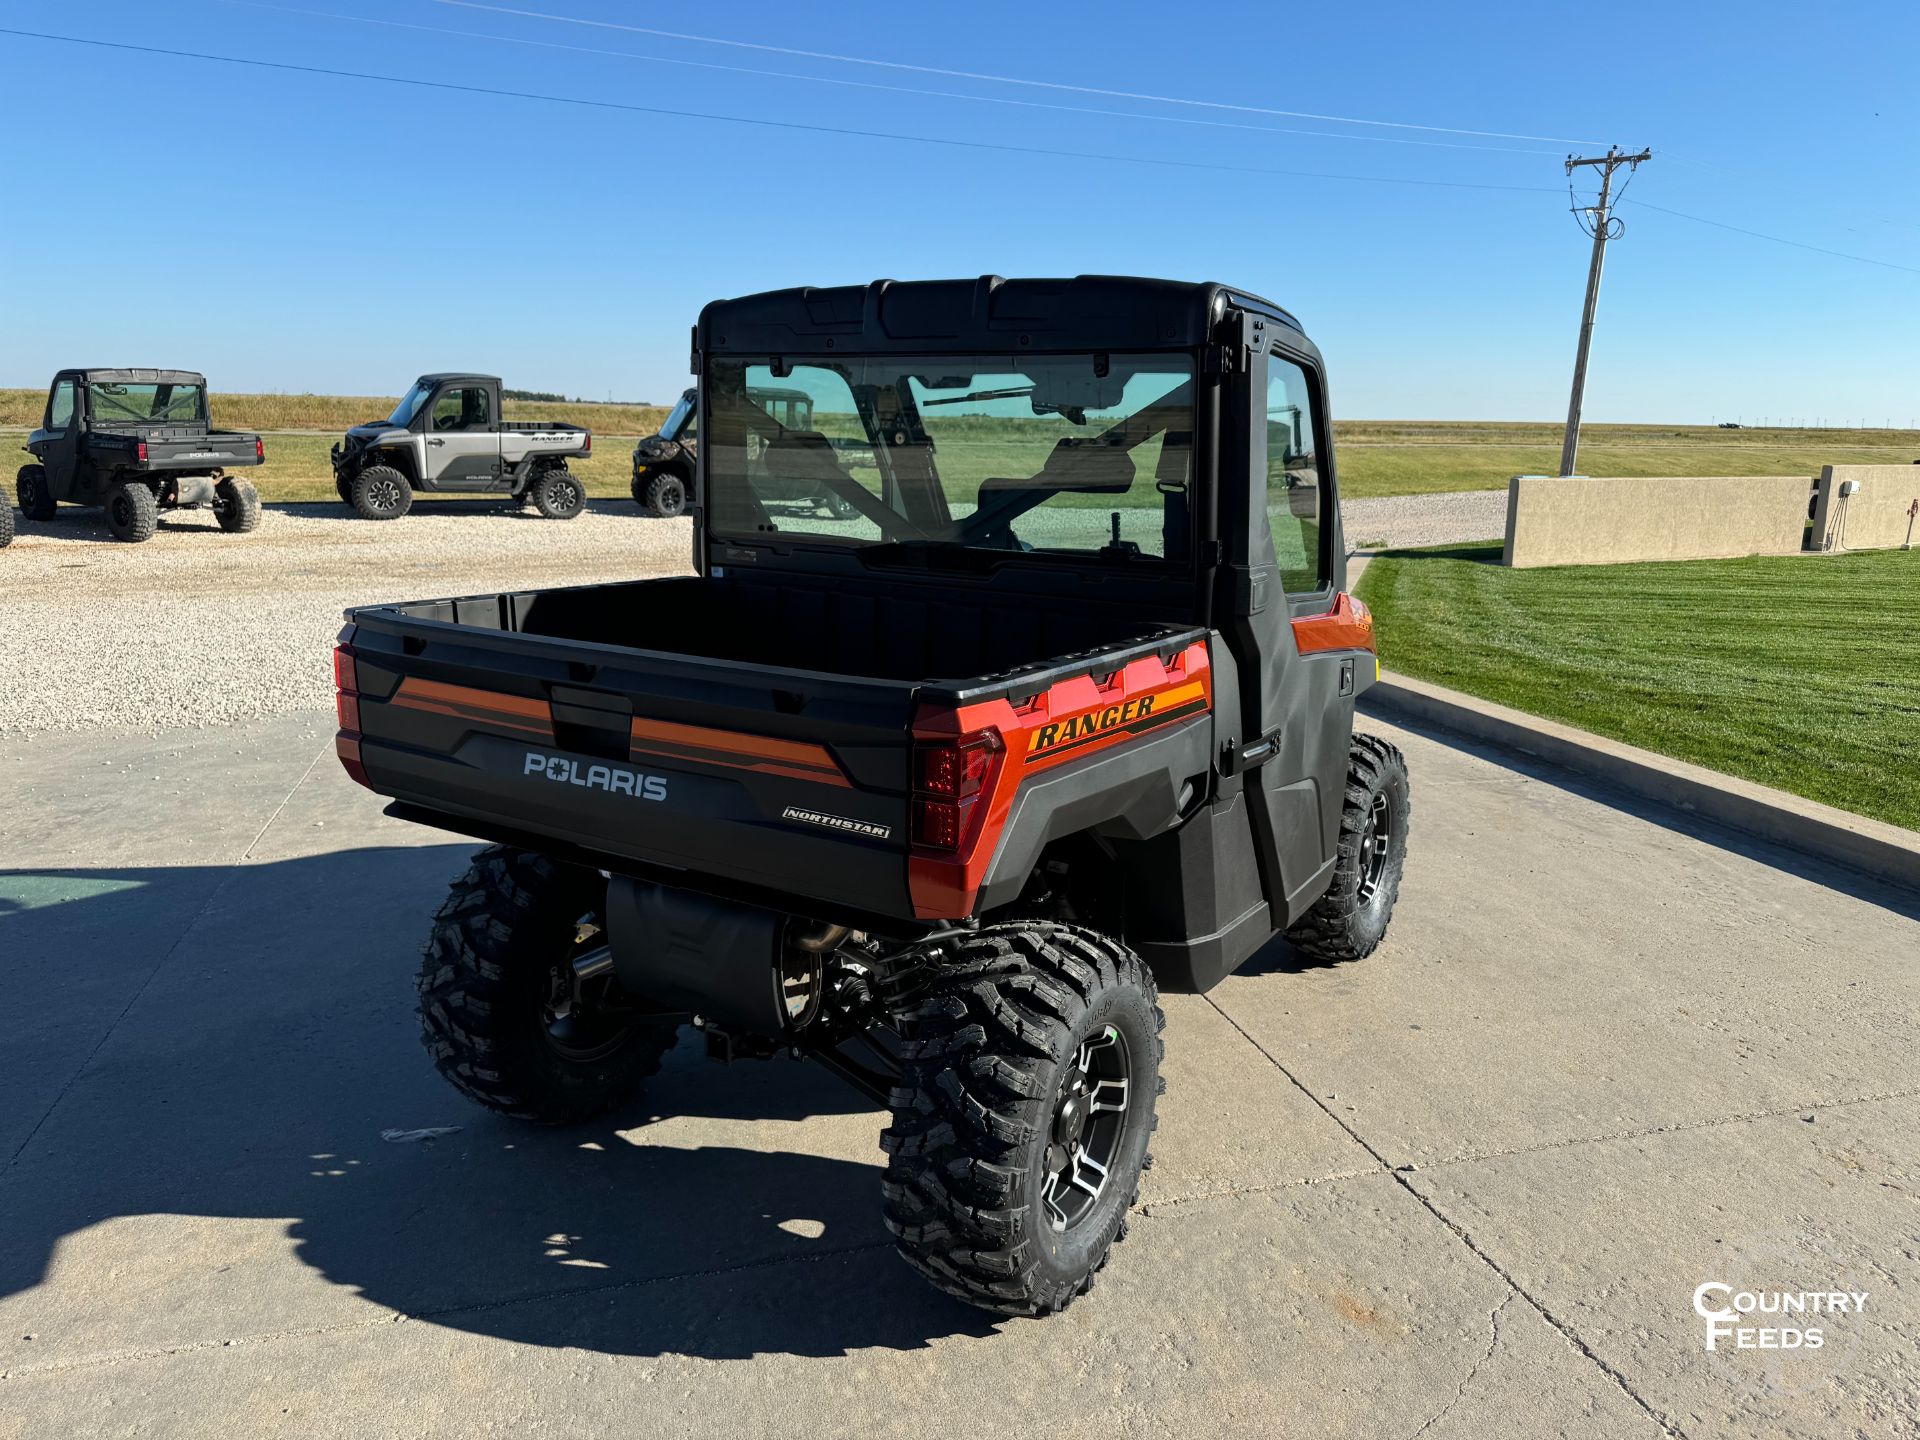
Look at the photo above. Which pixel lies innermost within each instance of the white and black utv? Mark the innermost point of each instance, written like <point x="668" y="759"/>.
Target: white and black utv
<point x="446" y="436"/>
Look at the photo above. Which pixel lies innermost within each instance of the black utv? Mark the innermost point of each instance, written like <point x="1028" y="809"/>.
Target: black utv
<point x="134" y="443"/>
<point x="942" y="796"/>
<point x="664" y="463"/>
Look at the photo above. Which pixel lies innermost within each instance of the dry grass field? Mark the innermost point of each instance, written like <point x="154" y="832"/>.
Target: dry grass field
<point x="1376" y="457"/>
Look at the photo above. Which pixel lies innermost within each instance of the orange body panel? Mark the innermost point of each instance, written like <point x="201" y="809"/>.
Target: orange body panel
<point x="1347" y="626"/>
<point x="1074" y="718"/>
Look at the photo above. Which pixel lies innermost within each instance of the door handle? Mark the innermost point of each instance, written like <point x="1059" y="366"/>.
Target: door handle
<point x="436" y="442"/>
<point x="1237" y="759"/>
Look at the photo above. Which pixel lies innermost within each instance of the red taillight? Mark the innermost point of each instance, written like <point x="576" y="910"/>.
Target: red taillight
<point x="958" y="770"/>
<point x="589" y="449"/>
<point x="259" y="448"/>
<point x="346" y="675"/>
<point x="143" y="452"/>
<point x="950" y="784"/>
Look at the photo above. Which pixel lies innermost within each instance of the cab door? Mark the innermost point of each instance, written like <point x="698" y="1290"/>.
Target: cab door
<point x="463" y="439"/>
<point x="1280" y="537"/>
<point x="65" y="429"/>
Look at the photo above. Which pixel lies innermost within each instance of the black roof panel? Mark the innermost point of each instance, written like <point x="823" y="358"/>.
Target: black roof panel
<point x="1086" y="312"/>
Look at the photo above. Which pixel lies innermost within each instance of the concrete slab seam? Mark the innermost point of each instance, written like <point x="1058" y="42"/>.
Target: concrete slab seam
<point x="1235" y="1192"/>
<point x="1678" y="1128"/>
<point x="1566" y="1331"/>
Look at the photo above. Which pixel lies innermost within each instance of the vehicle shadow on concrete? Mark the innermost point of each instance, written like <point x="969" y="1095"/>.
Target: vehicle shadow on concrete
<point x="1894" y="898"/>
<point x="272" y="1045"/>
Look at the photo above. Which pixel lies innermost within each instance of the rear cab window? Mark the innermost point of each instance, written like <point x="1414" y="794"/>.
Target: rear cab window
<point x="1050" y="456"/>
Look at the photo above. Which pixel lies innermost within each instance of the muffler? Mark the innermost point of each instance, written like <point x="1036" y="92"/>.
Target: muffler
<point x="742" y="968"/>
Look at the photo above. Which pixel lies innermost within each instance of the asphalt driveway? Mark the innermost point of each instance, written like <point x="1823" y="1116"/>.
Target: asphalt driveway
<point x="1466" y="1188"/>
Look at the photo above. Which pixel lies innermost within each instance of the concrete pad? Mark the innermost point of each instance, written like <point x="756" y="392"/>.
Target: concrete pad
<point x="1352" y="1315"/>
<point x="184" y="797"/>
<point x="1559" y="969"/>
<point x="206" y="1233"/>
<point x="1613" y="1237"/>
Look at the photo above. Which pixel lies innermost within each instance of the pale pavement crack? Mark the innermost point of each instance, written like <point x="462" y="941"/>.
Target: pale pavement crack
<point x="1473" y="1370"/>
<point x="1566" y="1331"/>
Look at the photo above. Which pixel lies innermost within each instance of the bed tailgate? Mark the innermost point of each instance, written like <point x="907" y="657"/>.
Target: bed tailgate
<point x="785" y="780"/>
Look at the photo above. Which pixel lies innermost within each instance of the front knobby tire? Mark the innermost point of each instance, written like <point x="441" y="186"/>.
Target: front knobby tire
<point x="1030" y="1072"/>
<point x="133" y="513"/>
<point x="380" y="492"/>
<point x="30" y="488"/>
<point x="6" y="524"/>
<point x="1350" y="920"/>
<point x="498" y="967"/>
<point x="666" y="497"/>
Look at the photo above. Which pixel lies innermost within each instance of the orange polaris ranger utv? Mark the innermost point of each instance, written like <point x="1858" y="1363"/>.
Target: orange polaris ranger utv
<point x="937" y="788"/>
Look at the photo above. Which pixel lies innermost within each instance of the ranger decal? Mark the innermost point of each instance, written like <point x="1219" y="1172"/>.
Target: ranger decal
<point x="1131" y="717"/>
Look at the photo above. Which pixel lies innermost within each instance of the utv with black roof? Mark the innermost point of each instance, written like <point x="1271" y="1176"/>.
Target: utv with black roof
<point x="664" y="463"/>
<point x="940" y="796"/>
<point x="447" y="435"/>
<point x="134" y="443"/>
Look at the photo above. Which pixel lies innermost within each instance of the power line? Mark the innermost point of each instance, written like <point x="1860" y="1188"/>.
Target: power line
<point x="1775" y="239"/>
<point x="581" y="101"/>
<point x="875" y="85"/>
<point x="997" y="79"/>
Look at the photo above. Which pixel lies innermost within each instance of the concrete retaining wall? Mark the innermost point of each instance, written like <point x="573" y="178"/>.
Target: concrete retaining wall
<point x="1874" y="517"/>
<point x="1602" y="521"/>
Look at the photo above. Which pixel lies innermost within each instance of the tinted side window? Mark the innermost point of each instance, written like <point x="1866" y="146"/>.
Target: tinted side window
<point x="60" y="407"/>
<point x="1294" y="474"/>
<point x="462" y="409"/>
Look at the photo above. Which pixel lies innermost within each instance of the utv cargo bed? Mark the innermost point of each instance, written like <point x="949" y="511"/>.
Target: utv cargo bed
<point x="753" y="737"/>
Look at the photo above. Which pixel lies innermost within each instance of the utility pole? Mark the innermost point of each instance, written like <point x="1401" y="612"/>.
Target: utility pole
<point x="1599" y="224"/>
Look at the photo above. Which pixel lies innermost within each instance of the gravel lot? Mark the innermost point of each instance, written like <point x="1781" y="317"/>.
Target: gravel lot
<point x="1400" y="520"/>
<point x="197" y="628"/>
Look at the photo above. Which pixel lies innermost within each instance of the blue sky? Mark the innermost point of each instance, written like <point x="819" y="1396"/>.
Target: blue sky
<point x="287" y="231"/>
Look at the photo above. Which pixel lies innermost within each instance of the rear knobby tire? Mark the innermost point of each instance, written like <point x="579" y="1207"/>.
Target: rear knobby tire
<point x="487" y="981"/>
<point x="557" y="495"/>
<point x="30" y="488"/>
<point x="6" y="524"/>
<point x="236" y="505"/>
<point x="133" y="512"/>
<point x="990" y="1053"/>
<point x="1350" y="920"/>
<point x="380" y="492"/>
<point x="666" y="496"/>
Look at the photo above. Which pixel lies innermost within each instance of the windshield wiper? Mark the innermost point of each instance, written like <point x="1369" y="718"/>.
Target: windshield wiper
<point x="1012" y="392"/>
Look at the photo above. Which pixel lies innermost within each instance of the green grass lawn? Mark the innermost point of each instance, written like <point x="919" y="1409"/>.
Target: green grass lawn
<point x="1799" y="672"/>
